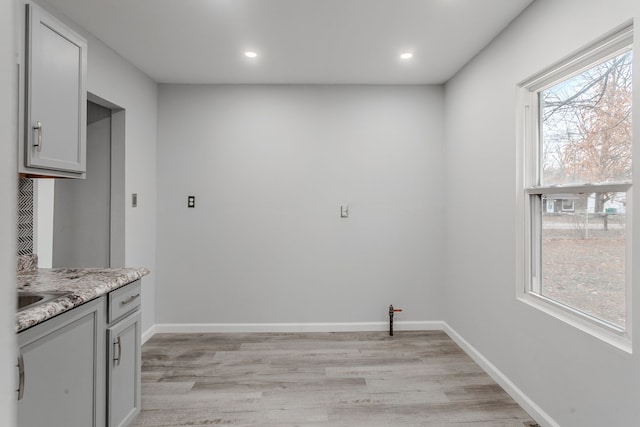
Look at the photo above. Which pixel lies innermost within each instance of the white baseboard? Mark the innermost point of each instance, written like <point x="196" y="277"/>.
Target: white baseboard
<point x="512" y="390"/>
<point x="146" y="335"/>
<point x="295" y="327"/>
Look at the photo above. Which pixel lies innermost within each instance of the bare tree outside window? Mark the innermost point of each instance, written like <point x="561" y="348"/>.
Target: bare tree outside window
<point x="586" y="125"/>
<point x="586" y="138"/>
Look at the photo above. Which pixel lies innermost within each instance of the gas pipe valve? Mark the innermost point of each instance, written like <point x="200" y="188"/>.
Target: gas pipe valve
<point x="391" y="311"/>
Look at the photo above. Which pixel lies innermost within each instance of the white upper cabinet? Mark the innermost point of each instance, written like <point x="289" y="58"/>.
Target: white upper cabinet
<point x="55" y="98"/>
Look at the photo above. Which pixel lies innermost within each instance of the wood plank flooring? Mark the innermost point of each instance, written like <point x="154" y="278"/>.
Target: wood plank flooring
<point x="318" y="379"/>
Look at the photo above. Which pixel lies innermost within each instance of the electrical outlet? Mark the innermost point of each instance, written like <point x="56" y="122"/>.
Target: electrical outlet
<point x="191" y="201"/>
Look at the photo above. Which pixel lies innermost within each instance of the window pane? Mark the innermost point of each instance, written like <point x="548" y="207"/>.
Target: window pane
<point x="586" y="126"/>
<point x="583" y="253"/>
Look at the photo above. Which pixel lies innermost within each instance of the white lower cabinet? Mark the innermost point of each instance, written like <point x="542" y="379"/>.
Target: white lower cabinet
<point x="61" y="370"/>
<point x="123" y="371"/>
<point x="124" y="355"/>
<point x="82" y="368"/>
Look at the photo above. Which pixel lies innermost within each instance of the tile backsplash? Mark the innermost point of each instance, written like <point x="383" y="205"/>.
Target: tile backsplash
<point x="25" y="216"/>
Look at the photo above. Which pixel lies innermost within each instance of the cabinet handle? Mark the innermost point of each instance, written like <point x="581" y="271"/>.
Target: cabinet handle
<point x="118" y="343"/>
<point x="130" y="299"/>
<point x="38" y="127"/>
<point x="20" y="377"/>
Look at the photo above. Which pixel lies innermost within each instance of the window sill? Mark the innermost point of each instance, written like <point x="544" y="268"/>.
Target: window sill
<point x="602" y="331"/>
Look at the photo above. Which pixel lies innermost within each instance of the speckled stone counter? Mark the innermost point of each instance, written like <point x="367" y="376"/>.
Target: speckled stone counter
<point x="84" y="284"/>
<point x="27" y="263"/>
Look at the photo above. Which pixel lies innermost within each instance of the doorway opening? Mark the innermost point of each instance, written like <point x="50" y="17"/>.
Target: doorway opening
<point x="80" y="222"/>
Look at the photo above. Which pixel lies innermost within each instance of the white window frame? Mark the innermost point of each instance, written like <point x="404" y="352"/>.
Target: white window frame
<point x="529" y="154"/>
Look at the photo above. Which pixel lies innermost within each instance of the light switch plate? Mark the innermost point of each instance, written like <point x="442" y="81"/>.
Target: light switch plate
<point x="344" y="211"/>
<point x="134" y="200"/>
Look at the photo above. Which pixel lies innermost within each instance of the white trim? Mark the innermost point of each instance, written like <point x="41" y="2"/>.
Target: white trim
<point x="593" y="326"/>
<point x="146" y="335"/>
<point x="293" y="327"/>
<point x="609" y="187"/>
<point x="512" y="390"/>
<point x="608" y="46"/>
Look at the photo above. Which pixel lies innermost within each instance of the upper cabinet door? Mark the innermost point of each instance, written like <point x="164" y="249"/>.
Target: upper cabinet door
<point x="56" y="95"/>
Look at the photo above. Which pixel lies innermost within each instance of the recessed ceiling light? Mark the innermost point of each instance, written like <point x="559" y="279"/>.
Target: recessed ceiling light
<point x="250" y="54"/>
<point x="406" y="55"/>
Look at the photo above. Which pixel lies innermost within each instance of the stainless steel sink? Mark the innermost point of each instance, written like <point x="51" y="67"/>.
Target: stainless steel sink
<point x="31" y="299"/>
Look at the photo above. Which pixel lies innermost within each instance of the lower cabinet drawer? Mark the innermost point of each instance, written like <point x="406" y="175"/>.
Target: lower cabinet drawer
<point x="123" y="301"/>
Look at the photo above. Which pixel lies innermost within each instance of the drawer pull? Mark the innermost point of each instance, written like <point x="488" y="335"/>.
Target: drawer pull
<point x="130" y="299"/>
<point x="20" y="377"/>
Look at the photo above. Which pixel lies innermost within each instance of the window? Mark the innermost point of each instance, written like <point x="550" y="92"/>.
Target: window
<point x="568" y="205"/>
<point x="576" y="196"/>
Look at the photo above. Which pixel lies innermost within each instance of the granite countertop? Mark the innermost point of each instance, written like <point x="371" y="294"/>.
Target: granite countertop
<point x="84" y="284"/>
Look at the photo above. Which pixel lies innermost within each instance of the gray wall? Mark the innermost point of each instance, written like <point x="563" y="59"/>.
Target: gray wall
<point x="270" y="167"/>
<point x="117" y="81"/>
<point x="576" y="378"/>
<point x="8" y="189"/>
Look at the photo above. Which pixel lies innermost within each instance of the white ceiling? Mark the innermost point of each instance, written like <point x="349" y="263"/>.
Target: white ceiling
<point x="297" y="41"/>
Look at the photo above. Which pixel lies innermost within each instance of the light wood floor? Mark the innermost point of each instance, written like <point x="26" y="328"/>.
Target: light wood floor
<point x="319" y="379"/>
